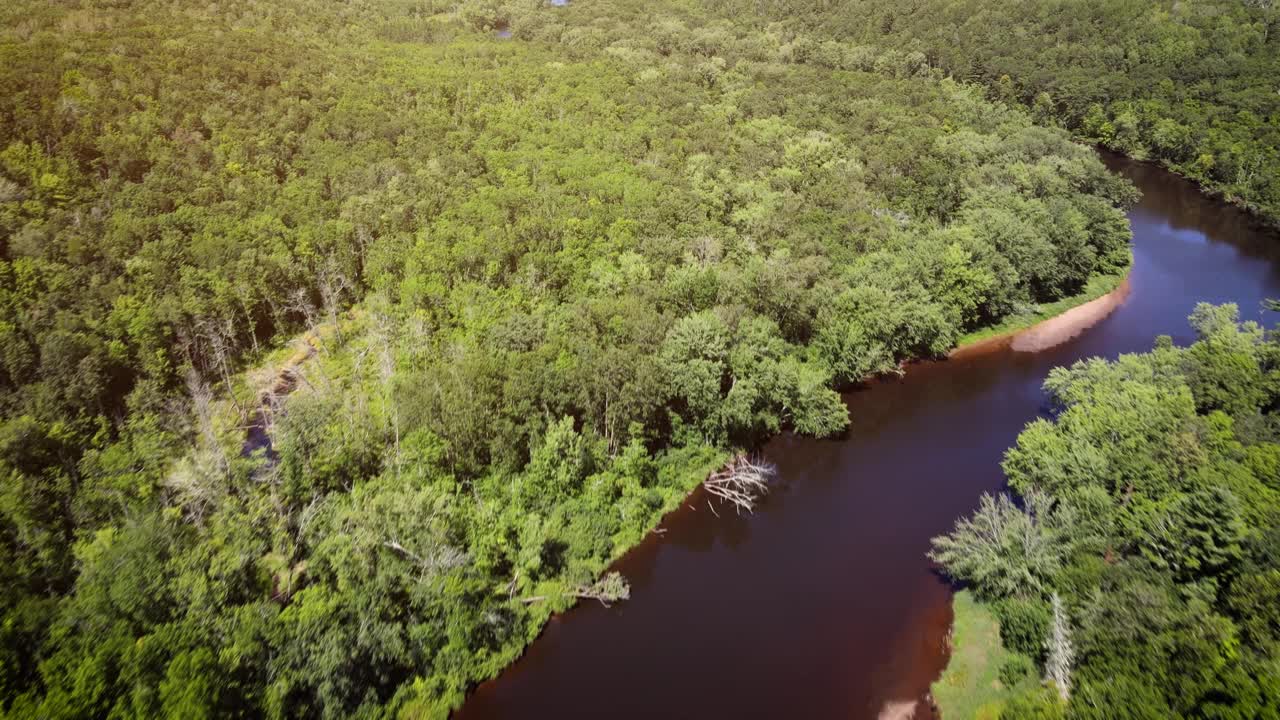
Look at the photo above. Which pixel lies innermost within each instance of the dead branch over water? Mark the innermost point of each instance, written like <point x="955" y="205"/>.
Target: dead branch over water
<point x="742" y="482"/>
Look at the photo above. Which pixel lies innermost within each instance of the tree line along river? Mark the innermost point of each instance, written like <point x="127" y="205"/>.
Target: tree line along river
<point x="822" y="603"/>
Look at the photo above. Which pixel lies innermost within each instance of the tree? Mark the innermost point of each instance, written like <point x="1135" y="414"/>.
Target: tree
<point x="551" y="286"/>
<point x="1199" y="535"/>
<point x="1060" y="653"/>
<point x="1024" y="625"/>
<point x="1255" y="600"/>
<point x="1224" y="371"/>
<point x="1039" y="703"/>
<point x="1003" y="550"/>
<point x="693" y="356"/>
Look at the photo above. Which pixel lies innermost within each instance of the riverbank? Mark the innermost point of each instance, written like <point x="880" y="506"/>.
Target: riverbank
<point x="972" y="686"/>
<point x="280" y="374"/>
<point x="1266" y="220"/>
<point x="1064" y="318"/>
<point x="1052" y="323"/>
<point x="851" y="653"/>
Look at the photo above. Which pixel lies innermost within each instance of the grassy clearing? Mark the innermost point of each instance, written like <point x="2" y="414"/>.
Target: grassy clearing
<point x="970" y="687"/>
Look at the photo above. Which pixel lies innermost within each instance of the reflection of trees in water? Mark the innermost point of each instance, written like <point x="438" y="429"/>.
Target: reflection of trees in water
<point x="1180" y="203"/>
<point x="693" y="527"/>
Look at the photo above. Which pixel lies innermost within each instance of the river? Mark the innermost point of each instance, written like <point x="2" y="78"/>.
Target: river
<point x="822" y="604"/>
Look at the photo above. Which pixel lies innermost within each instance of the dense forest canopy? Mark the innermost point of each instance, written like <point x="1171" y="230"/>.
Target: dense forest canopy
<point x="543" y="284"/>
<point x="550" y="282"/>
<point x="1138" y="561"/>
<point x="1194" y="84"/>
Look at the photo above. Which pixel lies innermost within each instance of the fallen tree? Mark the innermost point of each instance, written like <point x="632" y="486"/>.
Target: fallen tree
<point x="742" y="482"/>
<point x="608" y="589"/>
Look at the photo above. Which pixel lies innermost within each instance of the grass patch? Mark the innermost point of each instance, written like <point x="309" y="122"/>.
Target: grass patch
<point x="970" y="687"/>
<point x="1097" y="286"/>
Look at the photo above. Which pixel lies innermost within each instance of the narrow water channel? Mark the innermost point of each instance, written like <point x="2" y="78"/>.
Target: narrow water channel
<point x="822" y="604"/>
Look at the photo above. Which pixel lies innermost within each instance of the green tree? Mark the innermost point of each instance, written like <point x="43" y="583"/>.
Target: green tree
<point x="1004" y="550"/>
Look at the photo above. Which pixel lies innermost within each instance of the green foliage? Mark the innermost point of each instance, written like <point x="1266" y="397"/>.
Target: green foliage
<point x="1189" y="85"/>
<point x="1034" y="703"/>
<point x="1015" y="669"/>
<point x="541" y="286"/>
<point x="1255" y="599"/>
<point x="1161" y="469"/>
<point x="1198" y="534"/>
<point x="1004" y="550"/>
<point x="1024" y="625"/>
<point x="1223" y="369"/>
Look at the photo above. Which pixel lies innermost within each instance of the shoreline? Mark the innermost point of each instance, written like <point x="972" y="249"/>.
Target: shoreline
<point x="1037" y="336"/>
<point x="1056" y="323"/>
<point x="1261" y="218"/>
<point x="1061" y="328"/>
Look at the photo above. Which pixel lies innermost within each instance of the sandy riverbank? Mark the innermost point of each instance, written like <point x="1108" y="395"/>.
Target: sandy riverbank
<point x="1053" y="331"/>
<point x="1059" y="329"/>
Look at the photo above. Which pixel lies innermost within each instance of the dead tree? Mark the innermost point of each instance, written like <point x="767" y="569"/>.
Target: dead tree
<point x="198" y="480"/>
<point x="383" y="327"/>
<point x="202" y="405"/>
<point x="609" y="589"/>
<point x="442" y="558"/>
<point x="1057" y="667"/>
<point x="300" y="304"/>
<point x="333" y="284"/>
<point x="219" y="349"/>
<point x="742" y="482"/>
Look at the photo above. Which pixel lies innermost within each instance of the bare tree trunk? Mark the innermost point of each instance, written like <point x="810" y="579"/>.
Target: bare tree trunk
<point x="253" y="326"/>
<point x="299" y="303"/>
<point x="201" y="404"/>
<point x="333" y="284"/>
<point x="1057" y="667"/>
<point x="386" y="370"/>
<point x="218" y="335"/>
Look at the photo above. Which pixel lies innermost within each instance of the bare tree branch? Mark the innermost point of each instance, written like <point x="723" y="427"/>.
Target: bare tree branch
<point x="742" y="482"/>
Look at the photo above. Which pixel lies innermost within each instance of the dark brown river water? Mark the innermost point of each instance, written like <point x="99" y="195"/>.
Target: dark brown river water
<point x="822" y="604"/>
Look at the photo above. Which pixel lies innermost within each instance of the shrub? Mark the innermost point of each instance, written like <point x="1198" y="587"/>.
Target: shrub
<point x="1015" y="669"/>
<point x="1024" y="624"/>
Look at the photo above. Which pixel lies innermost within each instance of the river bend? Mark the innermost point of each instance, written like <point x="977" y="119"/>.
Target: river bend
<point x="822" y="604"/>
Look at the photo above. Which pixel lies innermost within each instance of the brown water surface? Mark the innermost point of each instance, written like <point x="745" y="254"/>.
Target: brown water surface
<point x="822" y="604"/>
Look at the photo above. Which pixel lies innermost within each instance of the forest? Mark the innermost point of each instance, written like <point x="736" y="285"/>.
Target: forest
<point x="542" y="286"/>
<point x="526" y="275"/>
<point x="1192" y="85"/>
<point x="1135" y="560"/>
